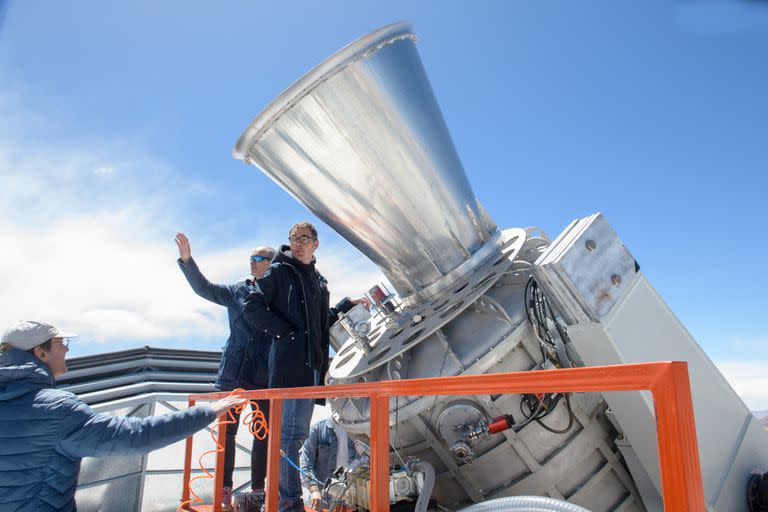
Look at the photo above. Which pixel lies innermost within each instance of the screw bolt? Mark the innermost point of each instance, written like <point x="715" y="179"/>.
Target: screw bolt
<point x="591" y="245"/>
<point x="616" y="279"/>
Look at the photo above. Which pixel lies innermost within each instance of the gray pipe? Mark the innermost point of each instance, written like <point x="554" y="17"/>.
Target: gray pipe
<point x="524" y="504"/>
<point x="429" y="482"/>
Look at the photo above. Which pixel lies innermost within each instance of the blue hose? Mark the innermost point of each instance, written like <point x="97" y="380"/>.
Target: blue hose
<point x="289" y="461"/>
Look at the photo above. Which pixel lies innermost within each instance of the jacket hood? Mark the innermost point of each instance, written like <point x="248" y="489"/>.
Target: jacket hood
<point x="284" y="255"/>
<point x="22" y="373"/>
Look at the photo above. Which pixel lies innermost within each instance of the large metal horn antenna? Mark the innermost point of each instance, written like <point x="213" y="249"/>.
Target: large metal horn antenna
<point x="361" y="142"/>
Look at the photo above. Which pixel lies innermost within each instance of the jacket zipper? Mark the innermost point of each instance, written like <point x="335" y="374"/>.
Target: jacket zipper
<point x="306" y="314"/>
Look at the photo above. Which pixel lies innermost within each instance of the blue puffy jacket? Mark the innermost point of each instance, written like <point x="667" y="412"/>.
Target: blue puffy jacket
<point x="246" y="353"/>
<point x="45" y="432"/>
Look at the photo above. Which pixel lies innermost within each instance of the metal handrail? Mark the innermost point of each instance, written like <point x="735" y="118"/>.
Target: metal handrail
<point x="668" y="383"/>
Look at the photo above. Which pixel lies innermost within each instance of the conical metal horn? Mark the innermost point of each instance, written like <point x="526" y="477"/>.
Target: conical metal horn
<point x="361" y="142"/>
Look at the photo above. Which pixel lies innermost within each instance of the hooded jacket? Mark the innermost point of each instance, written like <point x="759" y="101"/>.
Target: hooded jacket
<point x="45" y="432"/>
<point x="291" y="304"/>
<point x="246" y="353"/>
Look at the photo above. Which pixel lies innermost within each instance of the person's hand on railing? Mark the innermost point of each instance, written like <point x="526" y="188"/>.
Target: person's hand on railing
<point x="226" y="403"/>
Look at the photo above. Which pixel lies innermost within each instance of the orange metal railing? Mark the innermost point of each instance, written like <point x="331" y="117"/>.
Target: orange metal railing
<point x="667" y="381"/>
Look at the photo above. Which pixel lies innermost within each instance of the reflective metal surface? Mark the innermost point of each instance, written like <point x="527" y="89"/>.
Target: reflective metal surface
<point x="361" y="142"/>
<point x="586" y="270"/>
<point x="389" y="342"/>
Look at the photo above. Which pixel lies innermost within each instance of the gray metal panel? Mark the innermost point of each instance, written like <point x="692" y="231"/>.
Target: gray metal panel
<point x="642" y="328"/>
<point x="586" y="270"/>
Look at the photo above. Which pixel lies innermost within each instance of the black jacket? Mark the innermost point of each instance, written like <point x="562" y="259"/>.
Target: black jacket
<point x="291" y="304"/>
<point x="245" y="355"/>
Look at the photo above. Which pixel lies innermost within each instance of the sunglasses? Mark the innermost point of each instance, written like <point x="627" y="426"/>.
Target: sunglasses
<point x="257" y="258"/>
<point x="303" y="240"/>
<point x="63" y="341"/>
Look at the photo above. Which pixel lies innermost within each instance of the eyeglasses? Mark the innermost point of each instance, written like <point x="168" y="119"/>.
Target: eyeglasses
<point x="303" y="240"/>
<point x="63" y="341"/>
<point x="256" y="258"/>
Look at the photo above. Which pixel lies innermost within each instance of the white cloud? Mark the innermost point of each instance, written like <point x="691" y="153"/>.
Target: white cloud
<point x="749" y="379"/>
<point x="91" y="275"/>
<point x="97" y="255"/>
<point x="110" y="276"/>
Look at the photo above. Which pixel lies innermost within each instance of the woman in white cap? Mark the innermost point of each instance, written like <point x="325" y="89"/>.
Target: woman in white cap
<point x="45" y="432"/>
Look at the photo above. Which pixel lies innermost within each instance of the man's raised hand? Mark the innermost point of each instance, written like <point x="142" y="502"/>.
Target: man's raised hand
<point x="185" y="251"/>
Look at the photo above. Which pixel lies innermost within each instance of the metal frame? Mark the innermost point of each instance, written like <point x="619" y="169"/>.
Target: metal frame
<point x="668" y="383"/>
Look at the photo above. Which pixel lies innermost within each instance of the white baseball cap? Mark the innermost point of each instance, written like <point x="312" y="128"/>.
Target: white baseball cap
<point x="27" y="334"/>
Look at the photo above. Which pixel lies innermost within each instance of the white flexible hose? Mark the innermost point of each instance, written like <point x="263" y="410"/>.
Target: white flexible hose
<point x="524" y="504"/>
<point x="429" y="483"/>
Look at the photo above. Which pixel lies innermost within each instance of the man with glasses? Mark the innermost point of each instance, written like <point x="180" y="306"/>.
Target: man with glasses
<point x="244" y="358"/>
<point x="45" y="432"/>
<point x="291" y="303"/>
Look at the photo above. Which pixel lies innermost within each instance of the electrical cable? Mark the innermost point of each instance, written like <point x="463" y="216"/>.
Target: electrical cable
<point x="519" y="426"/>
<point x="570" y="419"/>
<point x="434" y="403"/>
<point x="531" y="314"/>
<point x="397" y="453"/>
<point x="550" y="407"/>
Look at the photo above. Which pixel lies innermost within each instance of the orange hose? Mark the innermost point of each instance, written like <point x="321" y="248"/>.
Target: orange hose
<point x="257" y="426"/>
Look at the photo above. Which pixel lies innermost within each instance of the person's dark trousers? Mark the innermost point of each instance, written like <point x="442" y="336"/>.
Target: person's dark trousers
<point x="258" y="451"/>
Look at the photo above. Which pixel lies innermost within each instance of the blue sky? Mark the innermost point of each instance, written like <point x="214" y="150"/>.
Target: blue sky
<point x="119" y="119"/>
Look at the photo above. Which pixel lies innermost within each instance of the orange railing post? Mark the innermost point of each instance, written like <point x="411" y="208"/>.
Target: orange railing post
<point x="678" y="450"/>
<point x="218" y="487"/>
<point x="187" y="464"/>
<point x="379" y="488"/>
<point x="273" y="454"/>
<point x="668" y="382"/>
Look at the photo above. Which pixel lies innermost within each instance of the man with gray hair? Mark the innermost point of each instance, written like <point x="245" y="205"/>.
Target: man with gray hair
<point x="244" y="358"/>
<point x="45" y="432"/>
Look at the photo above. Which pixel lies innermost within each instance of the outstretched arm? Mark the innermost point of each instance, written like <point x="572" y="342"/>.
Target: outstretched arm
<point x="218" y="293"/>
<point x="85" y="433"/>
<point x="345" y="305"/>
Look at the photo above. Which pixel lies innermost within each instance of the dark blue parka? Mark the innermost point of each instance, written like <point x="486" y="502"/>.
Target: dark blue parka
<point x="246" y="353"/>
<point x="292" y="297"/>
<point x="44" y="433"/>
